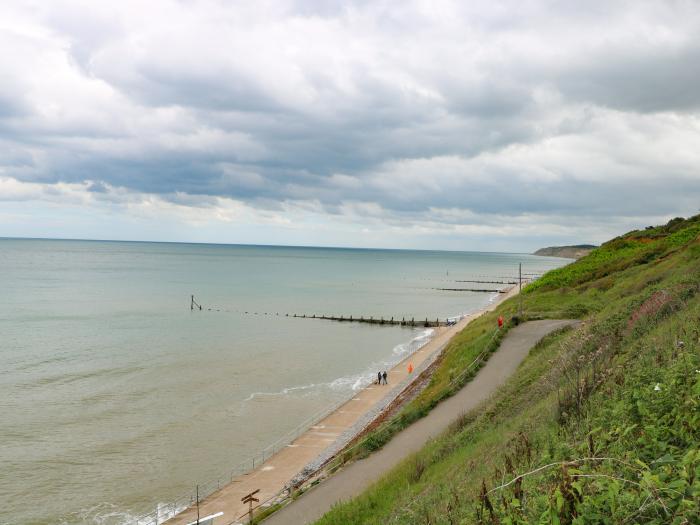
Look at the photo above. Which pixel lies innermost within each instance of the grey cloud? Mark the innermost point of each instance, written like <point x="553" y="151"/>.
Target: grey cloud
<point x="155" y="85"/>
<point x="11" y="107"/>
<point x="403" y="85"/>
<point x="648" y="81"/>
<point x="97" y="187"/>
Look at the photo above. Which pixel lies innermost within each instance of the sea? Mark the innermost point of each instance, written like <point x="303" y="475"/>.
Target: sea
<point x="117" y="397"/>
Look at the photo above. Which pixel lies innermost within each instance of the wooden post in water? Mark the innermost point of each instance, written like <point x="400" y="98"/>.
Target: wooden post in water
<point x="193" y="304"/>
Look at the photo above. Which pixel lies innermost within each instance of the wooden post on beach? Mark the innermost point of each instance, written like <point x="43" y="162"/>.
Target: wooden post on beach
<point x="197" y="504"/>
<point x="250" y="499"/>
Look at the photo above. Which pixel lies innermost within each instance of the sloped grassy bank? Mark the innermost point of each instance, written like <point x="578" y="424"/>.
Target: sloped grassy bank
<point x="599" y="425"/>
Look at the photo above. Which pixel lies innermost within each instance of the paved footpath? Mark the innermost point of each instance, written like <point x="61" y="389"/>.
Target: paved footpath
<point x="355" y="478"/>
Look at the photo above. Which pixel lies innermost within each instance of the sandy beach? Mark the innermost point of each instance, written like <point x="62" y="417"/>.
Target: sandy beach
<point x="327" y="436"/>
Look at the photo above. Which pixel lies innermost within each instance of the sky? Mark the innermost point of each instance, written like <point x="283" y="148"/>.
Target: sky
<point x="499" y="126"/>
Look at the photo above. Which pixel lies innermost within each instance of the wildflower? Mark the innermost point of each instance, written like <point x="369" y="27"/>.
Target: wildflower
<point x="657" y="387"/>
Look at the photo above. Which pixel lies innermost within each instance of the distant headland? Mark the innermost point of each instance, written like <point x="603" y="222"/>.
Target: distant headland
<point x="571" y="252"/>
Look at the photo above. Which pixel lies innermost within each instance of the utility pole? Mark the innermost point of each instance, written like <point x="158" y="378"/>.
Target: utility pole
<point x="520" y="291"/>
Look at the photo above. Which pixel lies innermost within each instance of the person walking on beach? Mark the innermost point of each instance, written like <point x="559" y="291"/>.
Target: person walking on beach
<point x="384" y="377"/>
<point x="379" y="378"/>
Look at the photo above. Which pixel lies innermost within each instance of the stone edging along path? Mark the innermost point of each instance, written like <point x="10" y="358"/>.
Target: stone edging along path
<point x="353" y="479"/>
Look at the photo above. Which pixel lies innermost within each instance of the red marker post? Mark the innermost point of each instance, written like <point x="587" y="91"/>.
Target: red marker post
<point x="500" y="321"/>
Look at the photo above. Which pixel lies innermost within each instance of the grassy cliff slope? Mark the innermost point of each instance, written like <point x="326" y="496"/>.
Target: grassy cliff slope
<point x="599" y="425"/>
<point x="569" y="252"/>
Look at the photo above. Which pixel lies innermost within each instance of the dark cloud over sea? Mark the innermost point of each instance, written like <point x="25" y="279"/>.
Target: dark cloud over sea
<point x="563" y="120"/>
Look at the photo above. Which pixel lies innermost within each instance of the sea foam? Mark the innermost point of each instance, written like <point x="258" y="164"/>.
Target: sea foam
<point x="359" y="380"/>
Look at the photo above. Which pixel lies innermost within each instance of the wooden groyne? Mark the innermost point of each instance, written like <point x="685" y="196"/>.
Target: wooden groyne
<point x="494" y="290"/>
<point x="391" y="321"/>
<point x="487" y="282"/>
<point x="427" y="323"/>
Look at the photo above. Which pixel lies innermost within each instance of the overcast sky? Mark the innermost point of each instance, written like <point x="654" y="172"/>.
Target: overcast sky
<point x="411" y="124"/>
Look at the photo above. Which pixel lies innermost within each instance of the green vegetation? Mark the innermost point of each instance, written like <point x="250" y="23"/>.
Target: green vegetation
<point x="572" y="252"/>
<point x="600" y="424"/>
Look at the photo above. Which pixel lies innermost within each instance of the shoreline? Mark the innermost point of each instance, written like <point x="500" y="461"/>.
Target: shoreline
<point x="305" y="456"/>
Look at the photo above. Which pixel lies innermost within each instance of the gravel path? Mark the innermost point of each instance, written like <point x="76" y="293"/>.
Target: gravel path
<point x="355" y="478"/>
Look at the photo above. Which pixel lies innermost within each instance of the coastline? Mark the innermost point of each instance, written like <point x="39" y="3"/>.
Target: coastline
<point x="302" y="458"/>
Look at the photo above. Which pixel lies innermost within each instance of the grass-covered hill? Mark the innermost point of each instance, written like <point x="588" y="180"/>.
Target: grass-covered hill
<point x="570" y="252"/>
<point x="600" y="424"/>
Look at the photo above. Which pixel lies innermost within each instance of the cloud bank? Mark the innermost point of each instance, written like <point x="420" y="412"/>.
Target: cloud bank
<point x="457" y="125"/>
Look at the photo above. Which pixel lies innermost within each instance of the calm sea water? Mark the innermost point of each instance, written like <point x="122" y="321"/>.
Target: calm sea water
<point x="115" y="396"/>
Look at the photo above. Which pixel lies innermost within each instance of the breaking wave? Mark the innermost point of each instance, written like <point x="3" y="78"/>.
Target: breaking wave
<point x="355" y="382"/>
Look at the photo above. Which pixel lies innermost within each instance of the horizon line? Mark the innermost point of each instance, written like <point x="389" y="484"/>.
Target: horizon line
<point x="254" y="245"/>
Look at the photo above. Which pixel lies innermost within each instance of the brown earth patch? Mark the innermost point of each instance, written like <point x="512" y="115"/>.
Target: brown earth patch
<point x="649" y="307"/>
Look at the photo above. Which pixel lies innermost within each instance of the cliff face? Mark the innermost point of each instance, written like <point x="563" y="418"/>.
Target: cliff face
<point x="570" y="252"/>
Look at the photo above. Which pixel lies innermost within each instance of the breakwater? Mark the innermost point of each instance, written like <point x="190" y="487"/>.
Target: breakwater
<point x="413" y="322"/>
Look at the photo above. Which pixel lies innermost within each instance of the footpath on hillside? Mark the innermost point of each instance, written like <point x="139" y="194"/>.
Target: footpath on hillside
<point x="358" y="476"/>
